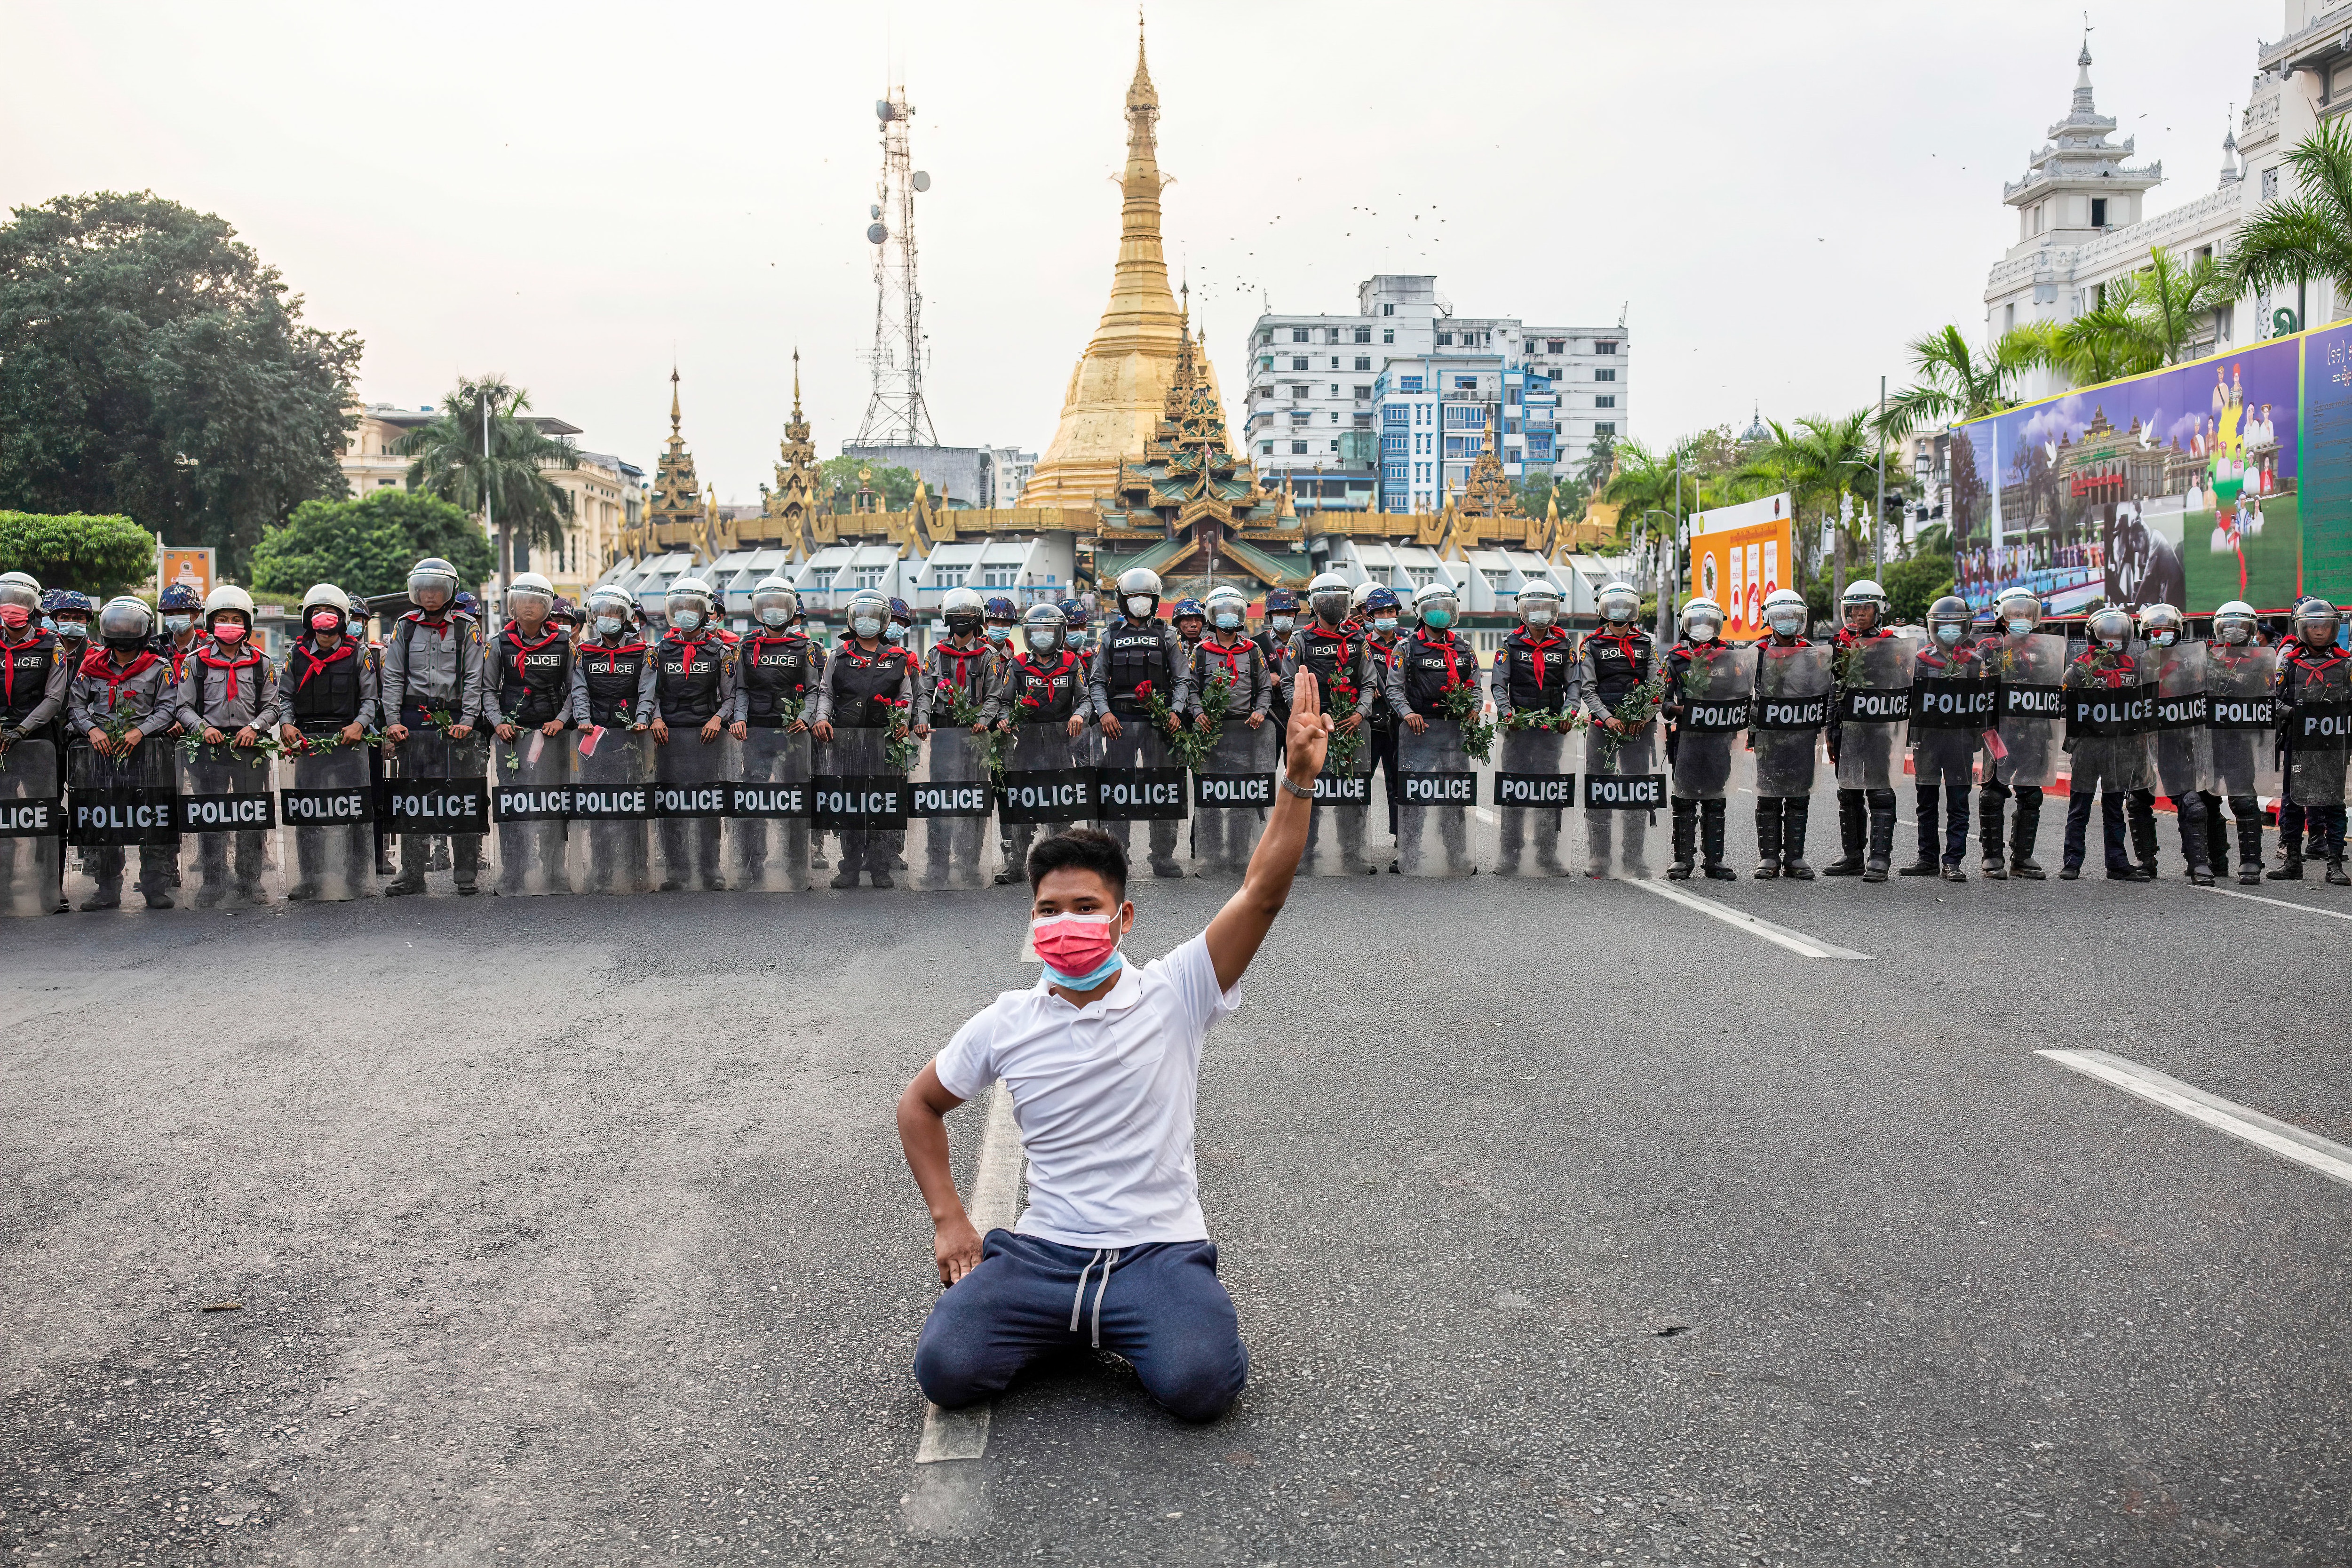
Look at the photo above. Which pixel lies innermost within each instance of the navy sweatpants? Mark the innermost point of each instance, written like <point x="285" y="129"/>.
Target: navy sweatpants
<point x="1159" y="1305"/>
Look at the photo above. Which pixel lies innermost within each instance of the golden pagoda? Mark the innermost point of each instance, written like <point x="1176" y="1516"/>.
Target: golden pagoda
<point x="675" y="516"/>
<point x="1119" y="389"/>
<point x="789" y="509"/>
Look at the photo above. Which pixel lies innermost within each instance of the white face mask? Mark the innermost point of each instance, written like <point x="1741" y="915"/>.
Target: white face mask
<point x="1950" y="636"/>
<point x="688" y="621"/>
<point x="1539" y="616"/>
<point x="1281" y="622"/>
<point x="773" y="618"/>
<point x="896" y="633"/>
<point x="1702" y="631"/>
<point x="2018" y="628"/>
<point x="1043" y="639"/>
<point x="1786" y="623"/>
<point x="1227" y="621"/>
<point x="1621" y="612"/>
<point x="999" y="634"/>
<point x="1384" y="623"/>
<point x="2234" y="636"/>
<point x="608" y="626"/>
<point x="1139" y="607"/>
<point x="175" y="625"/>
<point x="867" y="626"/>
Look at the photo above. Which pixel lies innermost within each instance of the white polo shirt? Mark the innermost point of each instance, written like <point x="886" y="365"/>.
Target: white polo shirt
<point x="1104" y="1097"/>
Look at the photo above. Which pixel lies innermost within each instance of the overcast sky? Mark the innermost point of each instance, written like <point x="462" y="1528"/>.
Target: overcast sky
<point x="1776" y="197"/>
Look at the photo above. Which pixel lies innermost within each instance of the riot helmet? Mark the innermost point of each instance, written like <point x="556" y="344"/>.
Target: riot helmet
<point x="2234" y="624"/>
<point x="1190" y="610"/>
<point x="1785" y="611"/>
<point x="773" y="602"/>
<point x="2109" y="626"/>
<point x="432" y="584"/>
<point x="1382" y="609"/>
<point x="2019" y="610"/>
<point x="963" y="611"/>
<point x="1863" y="608"/>
<point x="1281" y="611"/>
<point x="1362" y="591"/>
<point x="228" y="601"/>
<point x="2315" y="621"/>
<point x="1619" y="604"/>
<point x="1949" y="621"/>
<point x="690" y="605"/>
<point x="609" y="609"/>
<point x="1328" y="596"/>
<point x="1045" y="628"/>
<point x="1228" y="608"/>
<point x="1539" y="605"/>
<point x="529" y="587"/>
<point x="869" y="615"/>
<point x="20" y="599"/>
<point x="2161" y="625"/>
<point x="1001" y="614"/>
<point x="178" y="605"/>
<point x="1436" y="605"/>
<point x="1702" y="619"/>
<point x="68" y="613"/>
<point x="1139" y="592"/>
<point x="326" y="609"/>
<point x="125" y="622"/>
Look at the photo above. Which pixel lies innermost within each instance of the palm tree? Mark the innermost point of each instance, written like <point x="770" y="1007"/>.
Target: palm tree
<point x="2171" y="302"/>
<point x="1957" y="383"/>
<point x="2307" y="235"/>
<point x="1819" y="462"/>
<point x="479" y="455"/>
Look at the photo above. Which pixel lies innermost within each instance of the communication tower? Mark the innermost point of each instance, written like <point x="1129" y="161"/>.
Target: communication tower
<point x="896" y="415"/>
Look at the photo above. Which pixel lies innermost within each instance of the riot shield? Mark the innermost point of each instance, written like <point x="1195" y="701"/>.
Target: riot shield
<point x="2180" y="748"/>
<point x="1623" y="793"/>
<point x="327" y="808"/>
<point x="1718" y="688"/>
<point x="1437" y="806"/>
<point x="1231" y="792"/>
<point x="949" y="841"/>
<point x="2031" y="672"/>
<point x="1139" y="781"/>
<point x="1874" y="706"/>
<point x="2107" y="725"/>
<point x="530" y="801"/>
<point x="692" y="788"/>
<point x="772" y="810"/>
<point x="436" y="788"/>
<point x="611" y="838"/>
<point x="1342" y="803"/>
<point x="1534" y="782"/>
<point x="2318" y="736"/>
<point x="114" y="805"/>
<point x="860" y="799"/>
<point x="228" y="813"/>
<point x="2244" y="736"/>
<point x="1048" y="785"/>
<point x="1951" y="710"/>
<point x="32" y="828"/>
<point x="1793" y="687"/>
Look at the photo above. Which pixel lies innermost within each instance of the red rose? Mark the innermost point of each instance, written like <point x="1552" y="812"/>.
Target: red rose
<point x="1143" y="689"/>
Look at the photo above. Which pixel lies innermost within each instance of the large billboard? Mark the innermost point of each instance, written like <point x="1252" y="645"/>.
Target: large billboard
<point x="1739" y="554"/>
<point x="2189" y="486"/>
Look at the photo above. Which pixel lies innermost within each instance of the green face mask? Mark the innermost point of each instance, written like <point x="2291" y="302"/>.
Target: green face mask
<point x="1437" y="620"/>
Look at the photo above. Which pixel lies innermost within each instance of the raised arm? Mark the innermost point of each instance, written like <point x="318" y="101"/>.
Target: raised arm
<point x="1238" y="928"/>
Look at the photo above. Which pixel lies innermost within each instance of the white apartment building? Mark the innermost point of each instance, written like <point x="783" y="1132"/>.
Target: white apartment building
<point x="2082" y="207"/>
<point x="1313" y="394"/>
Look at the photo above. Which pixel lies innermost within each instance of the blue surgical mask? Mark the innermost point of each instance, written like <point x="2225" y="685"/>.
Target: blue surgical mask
<point x="999" y="634"/>
<point x="773" y="617"/>
<point x="1950" y="636"/>
<point x="2020" y="628"/>
<point x="1384" y="623"/>
<point x="1087" y="981"/>
<point x="1282" y="624"/>
<point x="1788" y="626"/>
<point x="175" y="625"/>
<point x="608" y="626"/>
<point x="866" y="627"/>
<point x="895" y="632"/>
<point x="688" y="621"/>
<point x="1228" y="621"/>
<point x="1437" y="620"/>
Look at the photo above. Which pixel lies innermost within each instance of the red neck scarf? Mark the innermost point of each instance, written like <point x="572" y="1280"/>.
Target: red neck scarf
<point x="99" y="663"/>
<point x="318" y="661"/>
<point x="612" y="651"/>
<point x="1061" y="666"/>
<point x="208" y="656"/>
<point x="1535" y="646"/>
<point x="1232" y="655"/>
<point x="960" y="677"/>
<point x="1453" y="671"/>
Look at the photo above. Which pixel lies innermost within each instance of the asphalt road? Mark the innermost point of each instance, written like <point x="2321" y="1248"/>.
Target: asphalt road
<point x="1565" y="1223"/>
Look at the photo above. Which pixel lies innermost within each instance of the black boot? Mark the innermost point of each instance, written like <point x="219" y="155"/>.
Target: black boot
<point x="1925" y="804"/>
<point x="1853" y="828"/>
<point x="2250" y="849"/>
<point x="2022" y="830"/>
<point x="1882" y="835"/>
<point x="1989" y="836"/>
<point x="1767" y="836"/>
<point x="2141" y="815"/>
<point x="1710" y="833"/>
<point x="1686" y="827"/>
<point x="2217" y="837"/>
<point x="1795" y="810"/>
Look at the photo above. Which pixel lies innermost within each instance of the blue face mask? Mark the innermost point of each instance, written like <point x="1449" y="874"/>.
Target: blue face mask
<point x="1437" y="620"/>
<point x="608" y="626"/>
<point x="687" y="621"/>
<point x="1384" y="623"/>
<point x="1228" y="622"/>
<point x="1281" y="622"/>
<point x="895" y="632"/>
<point x="1949" y="636"/>
<point x="773" y="618"/>
<point x="1087" y="981"/>
<point x="2020" y="628"/>
<point x="866" y="627"/>
<point x="999" y="634"/>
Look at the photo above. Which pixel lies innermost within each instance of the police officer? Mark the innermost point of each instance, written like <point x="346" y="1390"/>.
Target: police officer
<point x="777" y="668"/>
<point x="228" y="700"/>
<point x="694" y="687"/>
<point x="33" y="681"/>
<point x="528" y="689"/>
<point x="1139" y="650"/>
<point x="1272" y="638"/>
<point x="1865" y="815"/>
<point x="1377" y="616"/>
<point x="1076" y="620"/>
<point x="869" y="689"/>
<point x="123" y="686"/>
<point x="1698" y="818"/>
<point x="1190" y="621"/>
<point x="957" y="675"/>
<point x="69" y="615"/>
<point x="1612" y="659"/>
<point x="2110" y="766"/>
<point x="1781" y="819"/>
<point x="2238" y="755"/>
<point x="181" y="609"/>
<point x="2311" y="678"/>
<point x="1943" y="760"/>
<point x="1224" y="836"/>
<point x="2180" y="759"/>
<point x="1333" y="651"/>
<point x="612" y="690"/>
<point x="1427" y="664"/>
<point x="2018" y="614"/>
<point x="1536" y="672"/>
<point x="433" y="663"/>
<point x="327" y="701"/>
<point x="1042" y="689"/>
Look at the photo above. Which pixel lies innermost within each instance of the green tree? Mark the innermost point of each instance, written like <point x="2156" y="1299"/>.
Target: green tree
<point x="2306" y="235"/>
<point x="1914" y="583"/>
<point x="366" y="547"/>
<point x="2142" y="322"/>
<point x="1820" y="461"/>
<point x="1956" y="382"/>
<point x="895" y="485"/>
<point x="1599" y="460"/>
<point x="97" y="555"/>
<point x="480" y="453"/>
<point x="152" y="365"/>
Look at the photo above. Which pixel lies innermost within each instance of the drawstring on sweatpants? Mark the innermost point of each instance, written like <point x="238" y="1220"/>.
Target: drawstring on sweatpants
<point x="1078" y="1300"/>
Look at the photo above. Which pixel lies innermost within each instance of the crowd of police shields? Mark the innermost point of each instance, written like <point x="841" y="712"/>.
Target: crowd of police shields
<point x="579" y="749"/>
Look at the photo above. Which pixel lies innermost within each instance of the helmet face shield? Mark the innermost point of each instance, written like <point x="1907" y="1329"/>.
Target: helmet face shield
<point x="869" y="612"/>
<point x="1619" y="604"/>
<point x="1045" y="628"/>
<point x="125" y="621"/>
<point x="432" y="585"/>
<point x="2110" y="627"/>
<point x="774" y="604"/>
<point x="1538" y="605"/>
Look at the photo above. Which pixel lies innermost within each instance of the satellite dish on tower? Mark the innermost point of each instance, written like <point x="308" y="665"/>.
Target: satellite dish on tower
<point x="883" y="110"/>
<point x="876" y="233"/>
<point x="874" y="211"/>
<point x="922" y="181"/>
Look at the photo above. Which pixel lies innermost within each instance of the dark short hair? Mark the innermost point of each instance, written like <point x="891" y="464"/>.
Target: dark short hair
<point x="1087" y="849"/>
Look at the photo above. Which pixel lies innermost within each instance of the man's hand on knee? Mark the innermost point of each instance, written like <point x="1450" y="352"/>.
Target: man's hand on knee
<point x="956" y="1245"/>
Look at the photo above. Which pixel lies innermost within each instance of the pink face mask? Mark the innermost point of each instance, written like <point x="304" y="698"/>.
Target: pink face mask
<point x="15" y="617"/>
<point x="228" y="631"/>
<point x="326" y="621"/>
<point x="1076" y="948"/>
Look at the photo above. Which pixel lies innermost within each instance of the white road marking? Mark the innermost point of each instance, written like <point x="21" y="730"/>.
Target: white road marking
<point x="2281" y="903"/>
<point x="995" y="1189"/>
<point x="1796" y="942"/>
<point x="2271" y="1136"/>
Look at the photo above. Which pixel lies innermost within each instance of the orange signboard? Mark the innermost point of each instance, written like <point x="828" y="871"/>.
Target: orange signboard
<point x="1740" y="556"/>
<point x="192" y="564"/>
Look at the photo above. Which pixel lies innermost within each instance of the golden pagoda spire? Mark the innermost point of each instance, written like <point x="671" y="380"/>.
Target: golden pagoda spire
<point x="673" y="403"/>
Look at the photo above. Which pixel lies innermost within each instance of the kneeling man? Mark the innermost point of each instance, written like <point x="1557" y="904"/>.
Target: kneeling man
<point x="1102" y="1059"/>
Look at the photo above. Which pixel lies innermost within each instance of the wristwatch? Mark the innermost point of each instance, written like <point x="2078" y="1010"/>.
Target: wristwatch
<point x="1301" y="794"/>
